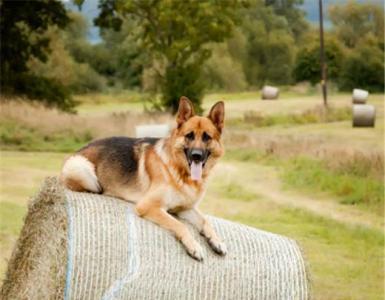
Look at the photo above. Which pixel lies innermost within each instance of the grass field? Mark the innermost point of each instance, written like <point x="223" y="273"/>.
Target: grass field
<point x="269" y="179"/>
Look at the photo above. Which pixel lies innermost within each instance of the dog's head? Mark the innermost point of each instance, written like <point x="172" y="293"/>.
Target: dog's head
<point x="196" y="141"/>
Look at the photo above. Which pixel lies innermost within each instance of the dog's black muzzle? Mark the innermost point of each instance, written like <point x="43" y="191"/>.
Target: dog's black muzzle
<point x="196" y="155"/>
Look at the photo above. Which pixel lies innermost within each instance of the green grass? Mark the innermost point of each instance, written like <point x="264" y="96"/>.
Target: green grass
<point x="11" y="215"/>
<point x="352" y="188"/>
<point x="11" y="220"/>
<point x="312" y="116"/>
<point x="352" y="184"/>
<point x="234" y="190"/>
<point x="346" y="262"/>
<point x="15" y="136"/>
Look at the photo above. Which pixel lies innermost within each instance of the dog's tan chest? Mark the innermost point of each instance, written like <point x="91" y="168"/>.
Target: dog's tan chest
<point x="185" y="197"/>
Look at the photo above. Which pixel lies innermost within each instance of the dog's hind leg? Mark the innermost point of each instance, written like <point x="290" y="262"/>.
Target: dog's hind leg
<point x="196" y="218"/>
<point x="78" y="174"/>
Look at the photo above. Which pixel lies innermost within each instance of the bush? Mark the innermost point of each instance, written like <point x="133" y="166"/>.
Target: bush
<point x="49" y="91"/>
<point x="307" y="64"/>
<point x="62" y="67"/>
<point x="279" y="53"/>
<point x="86" y="79"/>
<point x="182" y="80"/>
<point x="223" y="72"/>
<point x="364" y="68"/>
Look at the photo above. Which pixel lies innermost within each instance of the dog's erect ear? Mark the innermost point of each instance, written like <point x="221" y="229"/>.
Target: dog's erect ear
<point x="217" y="115"/>
<point x="185" y="110"/>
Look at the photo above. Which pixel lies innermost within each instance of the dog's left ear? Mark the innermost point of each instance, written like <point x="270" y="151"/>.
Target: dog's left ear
<point x="185" y="110"/>
<point x="217" y="115"/>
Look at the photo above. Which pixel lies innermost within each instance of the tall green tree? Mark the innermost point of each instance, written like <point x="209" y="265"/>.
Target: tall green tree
<point x="360" y="26"/>
<point x="307" y="64"/>
<point x="364" y="67"/>
<point x="353" y="20"/>
<point x="22" y="28"/>
<point x="176" y="34"/>
<point x="294" y="15"/>
<point x="270" y="45"/>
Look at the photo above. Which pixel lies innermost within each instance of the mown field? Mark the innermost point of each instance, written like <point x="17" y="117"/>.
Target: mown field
<point x="290" y="168"/>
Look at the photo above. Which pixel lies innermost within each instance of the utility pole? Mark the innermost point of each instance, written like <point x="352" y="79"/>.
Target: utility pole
<point x="322" y="55"/>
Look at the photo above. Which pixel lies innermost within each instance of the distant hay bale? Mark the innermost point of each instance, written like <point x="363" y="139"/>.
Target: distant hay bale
<point x="270" y="92"/>
<point x="153" y="130"/>
<point x="87" y="246"/>
<point x="360" y="96"/>
<point x="364" y="115"/>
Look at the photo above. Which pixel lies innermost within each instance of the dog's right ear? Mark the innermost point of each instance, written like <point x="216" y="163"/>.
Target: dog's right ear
<point x="185" y="110"/>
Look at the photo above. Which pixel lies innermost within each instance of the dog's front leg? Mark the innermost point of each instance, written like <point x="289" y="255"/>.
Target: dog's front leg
<point x="149" y="210"/>
<point x="196" y="218"/>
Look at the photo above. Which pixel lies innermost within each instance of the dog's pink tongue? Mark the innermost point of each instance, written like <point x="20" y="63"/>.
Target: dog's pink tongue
<point x="196" y="170"/>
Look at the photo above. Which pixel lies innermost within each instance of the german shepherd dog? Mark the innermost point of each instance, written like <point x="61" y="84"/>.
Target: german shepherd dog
<point x="166" y="178"/>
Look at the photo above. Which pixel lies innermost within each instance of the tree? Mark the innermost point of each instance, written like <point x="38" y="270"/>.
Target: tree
<point x="176" y="34"/>
<point x="295" y="17"/>
<point x="352" y="21"/>
<point x="307" y="64"/>
<point x="270" y="46"/>
<point x="22" y="28"/>
<point x="62" y="63"/>
<point x="364" y="67"/>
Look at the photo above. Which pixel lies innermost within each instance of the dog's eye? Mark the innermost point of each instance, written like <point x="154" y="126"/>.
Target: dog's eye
<point x="190" y="136"/>
<point x="206" y="137"/>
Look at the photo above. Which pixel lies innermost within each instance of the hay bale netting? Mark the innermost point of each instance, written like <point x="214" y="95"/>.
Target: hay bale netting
<point x="270" y="92"/>
<point x="364" y="115"/>
<point x="359" y="96"/>
<point x="153" y="130"/>
<point x="107" y="252"/>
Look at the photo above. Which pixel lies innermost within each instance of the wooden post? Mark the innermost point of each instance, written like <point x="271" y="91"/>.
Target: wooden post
<point x="322" y="55"/>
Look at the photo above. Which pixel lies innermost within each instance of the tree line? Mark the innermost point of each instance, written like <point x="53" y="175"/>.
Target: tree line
<point x="173" y="48"/>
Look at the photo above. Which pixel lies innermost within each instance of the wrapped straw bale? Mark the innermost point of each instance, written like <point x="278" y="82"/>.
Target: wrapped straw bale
<point x="360" y="96"/>
<point x="270" y="92"/>
<point x="364" y="115"/>
<point x="95" y="247"/>
<point x="37" y="267"/>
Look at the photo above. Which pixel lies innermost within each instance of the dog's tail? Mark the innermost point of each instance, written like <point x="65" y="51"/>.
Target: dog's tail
<point x="78" y="174"/>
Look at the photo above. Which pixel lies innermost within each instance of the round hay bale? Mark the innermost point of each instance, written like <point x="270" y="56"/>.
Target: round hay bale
<point x="270" y="92"/>
<point x="106" y="252"/>
<point x="152" y="130"/>
<point x="364" y="115"/>
<point x="37" y="268"/>
<point x="360" y="96"/>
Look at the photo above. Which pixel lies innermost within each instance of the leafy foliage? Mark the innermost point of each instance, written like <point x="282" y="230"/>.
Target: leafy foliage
<point x="223" y="70"/>
<point x="364" y="67"/>
<point x="175" y="32"/>
<point x="18" y="20"/>
<point x="62" y="67"/>
<point x="353" y="20"/>
<point x="294" y="16"/>
<point x="22" y="28"/>
<point x="270" y="46"/>
<point x="307" y="65"/>
<point x="47" y="90"/>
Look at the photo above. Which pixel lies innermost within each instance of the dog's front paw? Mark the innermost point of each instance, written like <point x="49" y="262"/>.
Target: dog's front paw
<point x="218" y="246"/>
<point x="194" y="249"/>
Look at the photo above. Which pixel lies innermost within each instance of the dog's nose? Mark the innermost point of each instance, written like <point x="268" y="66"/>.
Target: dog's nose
<point x="197" y="154"/>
